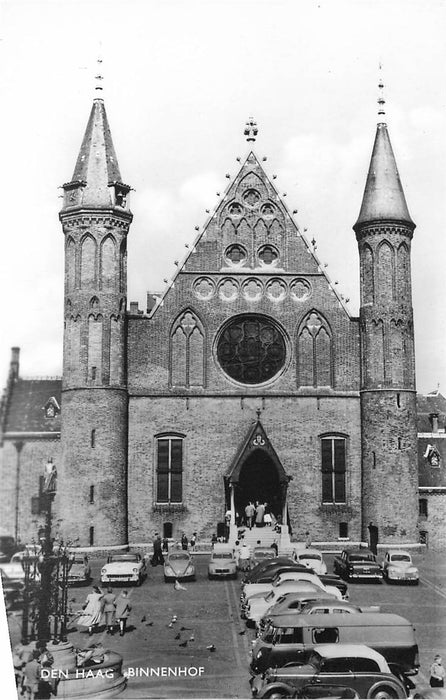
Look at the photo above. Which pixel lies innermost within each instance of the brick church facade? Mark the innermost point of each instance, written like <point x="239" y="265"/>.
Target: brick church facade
<point x="248" y="379"/>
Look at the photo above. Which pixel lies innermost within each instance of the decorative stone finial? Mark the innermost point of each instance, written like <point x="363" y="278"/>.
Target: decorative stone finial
<point x="251" y="130"/>
<point x="381" y="101"/>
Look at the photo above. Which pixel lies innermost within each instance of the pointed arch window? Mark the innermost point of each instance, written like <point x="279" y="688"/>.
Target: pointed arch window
<point x="88" y="262"/>
<point x="386" y="262"/>
<point x="71" y="265"/>
<point x="187" y="351"/>
<point x="108" y="263"/>
<point x="169" y="469"/>
<point x="333" y="463"/>
<point x="315" y="352"/>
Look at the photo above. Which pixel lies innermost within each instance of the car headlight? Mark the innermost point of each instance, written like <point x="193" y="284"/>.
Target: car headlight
<point x="169" y="571"/>
<point x="135" y="571"/>
<point x="103" y="572"/>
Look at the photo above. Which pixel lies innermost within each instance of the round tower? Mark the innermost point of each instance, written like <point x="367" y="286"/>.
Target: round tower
<point x="384" y="231"/>
<point x="92" y="494"/>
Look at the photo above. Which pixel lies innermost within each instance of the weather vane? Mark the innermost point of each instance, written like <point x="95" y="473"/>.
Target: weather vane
<point x="381" y="101"/>
<point x="99" y="77"/>
<point x="251" y="130"/>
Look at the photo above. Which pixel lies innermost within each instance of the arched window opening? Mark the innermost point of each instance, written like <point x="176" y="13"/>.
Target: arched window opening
<point x="169" y="470"/>
<point x="88" y="262"/>
<point x="315" y="352"/>
<point x="187" y="351"/>
<point x="333" y="457"/>
<point x="108" y="263"/>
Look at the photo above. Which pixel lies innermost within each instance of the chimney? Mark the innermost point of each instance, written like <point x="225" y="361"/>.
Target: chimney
<point x="134" y="307"/>
<point x="151" y="301"/>
<point x="14" y="365"/>
<point x="434" y="421"/>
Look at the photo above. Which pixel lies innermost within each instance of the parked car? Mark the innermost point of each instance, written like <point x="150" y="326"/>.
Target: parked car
<point x="14" y="568"/>
<point x="8" y="547"/>
<point x="261" y="554"/>
<point x="269" y="565"/>
<point x="222" y="563"/>
<point x="353" y="665"/>
<point x="264" y="588"/>
<point x="179" y="566"/>
<point x="357" y="565"/>
<point x="258" y="606"/>
<point x="124" y="568"/>
<point x="80" y="571"/>
<point x="398" y="567"/>
<point x="12" y="591"/>
<point x="313" y="559"/>
<point x="291" y="638"/>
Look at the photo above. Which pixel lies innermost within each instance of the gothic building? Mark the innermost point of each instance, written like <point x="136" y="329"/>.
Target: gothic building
<point x="248" y="379"/>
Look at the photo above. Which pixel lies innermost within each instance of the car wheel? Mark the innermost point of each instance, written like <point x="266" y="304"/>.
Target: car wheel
<point x="281" y="692"/>
<point x="210" y="577"/>
<point x="384" y="692"/>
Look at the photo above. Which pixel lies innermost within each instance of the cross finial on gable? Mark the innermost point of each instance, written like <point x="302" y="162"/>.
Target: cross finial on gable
<point x="258" y="411"/>
<point x="251" y="130"/>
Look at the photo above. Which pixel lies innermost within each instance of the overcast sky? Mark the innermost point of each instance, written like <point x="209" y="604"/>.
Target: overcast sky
<point x="181" y="78"/>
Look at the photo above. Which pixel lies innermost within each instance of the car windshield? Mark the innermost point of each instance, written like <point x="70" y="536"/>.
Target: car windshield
<point x="264" y="553"/>
<point x="304" y="557"/>
<point x="178" y="557"/>
<point x="361" y="557"/>
<point x="269" y="634"/>
<point x="400" y="557"/>
<point x="270" y="596"/>
<point x="78" y="561"/>
<point x="123" y="557"/>
<point x="222" y="555"/>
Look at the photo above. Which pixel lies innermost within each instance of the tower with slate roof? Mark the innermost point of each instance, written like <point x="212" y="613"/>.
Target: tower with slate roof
<point x="95" y="219"/>
<point x="384" y="231"/>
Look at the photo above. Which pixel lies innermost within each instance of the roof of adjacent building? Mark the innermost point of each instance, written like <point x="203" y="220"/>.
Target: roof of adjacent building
<point x="383" y="198"/>
<point x="27" y="403"/>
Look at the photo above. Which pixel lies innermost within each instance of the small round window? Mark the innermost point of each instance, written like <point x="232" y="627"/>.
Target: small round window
<point x="251" y="197"/>
<point x="235" y="254"/>
<point x="268" y="255"/>
<point x="251" y="349"/>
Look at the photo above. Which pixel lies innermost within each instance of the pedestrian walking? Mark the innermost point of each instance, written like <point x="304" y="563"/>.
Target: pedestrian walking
<point x="437" y="673"/>
<point x="91" y="613"/>
<point x="184" y="542"/>
<point x="307" y="540"/>
<point x="157" y="551"/>
<point x="31" y="676"/>
<point x="193" y="541"/>
<point x="244" y="557"/>
<point x="249" y="513"/>
<point x="109" y="610"/>
<point x="123" y="609"/>
<point x="165" y="545"/>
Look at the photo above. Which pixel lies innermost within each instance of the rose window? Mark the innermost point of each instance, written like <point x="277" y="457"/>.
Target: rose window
<point x="251" y="349"/>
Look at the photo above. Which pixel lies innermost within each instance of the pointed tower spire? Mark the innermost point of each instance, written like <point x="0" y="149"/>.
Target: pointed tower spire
<point x="383" y="198"/>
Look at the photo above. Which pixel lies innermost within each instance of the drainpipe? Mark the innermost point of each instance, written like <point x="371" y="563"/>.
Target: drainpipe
<point x="18" y="446"/>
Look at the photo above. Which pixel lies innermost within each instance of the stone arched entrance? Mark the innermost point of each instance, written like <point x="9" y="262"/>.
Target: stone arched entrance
<point x="259" y="480"/>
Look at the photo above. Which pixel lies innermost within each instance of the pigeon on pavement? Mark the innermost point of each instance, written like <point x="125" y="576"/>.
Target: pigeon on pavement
<point x="178" y="587"/>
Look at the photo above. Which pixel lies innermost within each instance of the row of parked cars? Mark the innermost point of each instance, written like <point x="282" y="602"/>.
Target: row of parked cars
<point x="313" y="643"/>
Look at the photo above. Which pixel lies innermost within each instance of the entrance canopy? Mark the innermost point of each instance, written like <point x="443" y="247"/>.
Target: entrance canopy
<point x="255" y="441"/>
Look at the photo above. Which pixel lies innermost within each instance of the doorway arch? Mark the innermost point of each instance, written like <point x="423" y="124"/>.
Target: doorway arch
<point x="259" y="480"/>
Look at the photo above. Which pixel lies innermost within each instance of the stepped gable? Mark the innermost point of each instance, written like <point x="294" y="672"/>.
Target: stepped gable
<point x="251" y="217"/>
<point x="29" y="399"/>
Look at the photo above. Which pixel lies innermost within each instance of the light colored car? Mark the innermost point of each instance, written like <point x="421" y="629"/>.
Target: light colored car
<point x="179" y="566"/>
<point x="313" y="559"/>
<point x="124" y="568"/>
<point x="259" y="605"/>
<point x="79" y="571"/>
<point x="263" y="588"/>
<point x="14" y="568"/>
<point x="353" y="665"/>
<point x="398" y="567"/>
<point x="222" y="563"/>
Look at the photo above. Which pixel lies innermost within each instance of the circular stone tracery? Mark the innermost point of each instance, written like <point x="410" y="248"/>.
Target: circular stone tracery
<point x="251" y="349"/>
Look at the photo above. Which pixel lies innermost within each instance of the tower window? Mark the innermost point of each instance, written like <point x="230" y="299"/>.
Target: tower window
<point x="169" y="470"/>
<point x="343" y="530"/>
<point x="91" y="536"/>
<point x="333" y="453"/>
<point x="93" y="438"/>
<point x="399" y="443"/>
<point x="93" y="373"/>
<point x="92" y="493"/>
<point x="373" y="460"/>
<point x="398" y="400"/>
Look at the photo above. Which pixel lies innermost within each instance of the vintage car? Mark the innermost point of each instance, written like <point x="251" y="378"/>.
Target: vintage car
<point x="258" y="606"/>
<point x="222" y="563"/>
<point x="178" y="566"/>
<point x="264" y="588"/>
<point x="8" y="547"/>
<point x="398" y="568"/>
<point x="357" y="565"/>
<point x="124" y="568"/>
<point x="313" y="559"/>
<point x="353" y="665"/>
<point x="269" y="565"/>
<point x="260" y="554"/>
<point x="12" y="590"/>
<point x="79" y="571"/>
<point x="14" y="568"/>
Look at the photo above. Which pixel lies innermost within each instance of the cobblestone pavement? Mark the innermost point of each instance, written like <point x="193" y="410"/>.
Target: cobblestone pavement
<point x="209" y="612"/>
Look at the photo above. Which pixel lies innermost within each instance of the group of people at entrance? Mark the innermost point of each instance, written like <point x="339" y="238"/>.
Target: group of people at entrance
<point x="258" y="515"/>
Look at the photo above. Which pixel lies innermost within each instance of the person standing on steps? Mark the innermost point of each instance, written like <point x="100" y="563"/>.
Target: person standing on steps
<point x="249" y="513"/>
<point x="260" y="512"/>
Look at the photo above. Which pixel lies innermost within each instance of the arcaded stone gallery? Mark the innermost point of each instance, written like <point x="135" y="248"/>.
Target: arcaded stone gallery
<point x="247" y="380"/>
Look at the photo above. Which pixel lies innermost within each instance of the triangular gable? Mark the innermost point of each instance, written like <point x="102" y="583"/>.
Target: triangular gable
<point x="252" y="176"/>
<point x="256" y="439"/>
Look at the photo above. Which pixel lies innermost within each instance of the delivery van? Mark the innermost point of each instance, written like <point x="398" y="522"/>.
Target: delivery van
<point x="291" y="638"/>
